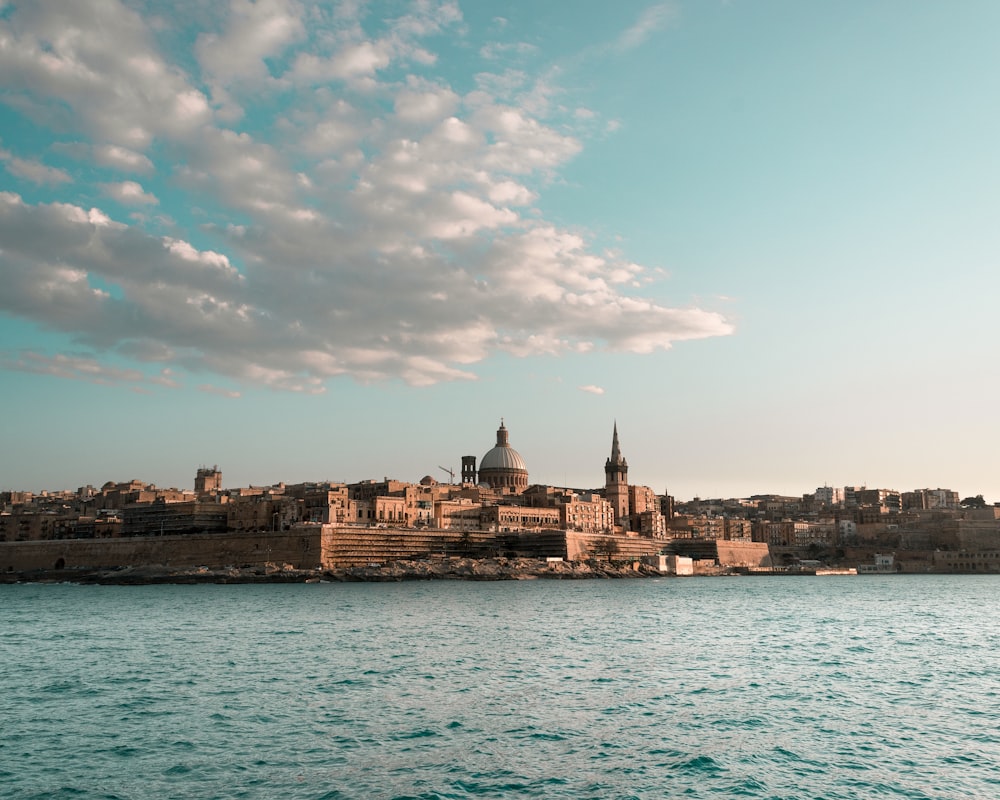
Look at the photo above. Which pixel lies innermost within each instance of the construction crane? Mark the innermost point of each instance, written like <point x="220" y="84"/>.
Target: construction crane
<point x="451" y="473"/>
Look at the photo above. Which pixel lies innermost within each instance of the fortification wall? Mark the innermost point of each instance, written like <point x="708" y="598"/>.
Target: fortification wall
<point x="978" y="535"/>
<point x="299" y="547"/>
<point x="352" y="547"/>
<point x="312" y="546"/>
<point x="581" y="546"/>
<point x="743" y="554"/>
<point x="359" y="546"/>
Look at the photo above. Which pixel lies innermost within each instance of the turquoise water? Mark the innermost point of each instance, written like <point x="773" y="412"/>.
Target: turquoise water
<point x="833" y="687"/>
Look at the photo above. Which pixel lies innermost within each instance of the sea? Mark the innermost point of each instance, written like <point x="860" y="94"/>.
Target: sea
<point x="747" y="687"/>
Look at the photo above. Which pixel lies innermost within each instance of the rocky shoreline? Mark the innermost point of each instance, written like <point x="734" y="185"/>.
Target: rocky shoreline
<point x="465" y="569"/>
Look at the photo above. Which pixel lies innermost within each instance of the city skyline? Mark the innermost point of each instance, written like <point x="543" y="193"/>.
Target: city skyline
<point x="322" y="242"/>
<point x="475" y="464"/>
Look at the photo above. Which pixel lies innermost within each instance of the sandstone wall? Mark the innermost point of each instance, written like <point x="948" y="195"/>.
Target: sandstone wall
<point x="580" y="546"/>
<point x="312" y="546"/>
<point x="299" y="547"/>
<point x="743" y="554"/>
<point x="359" y="546"/>
<point x="355" y="547"/>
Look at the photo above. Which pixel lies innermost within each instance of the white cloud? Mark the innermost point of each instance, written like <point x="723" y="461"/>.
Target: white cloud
<point x="375" y="224"/>
<point x="496" y="50"/>
<point x="122" y="158"/>
<point x="254" y="31"/>
<point x="236" y="59"/>
<point x="591" y="389"/>
<point x="98" y="60"/>
<point x="654" y="18"/>
<point x="522" y="144"/>
<point x="81" y="368"/>
<point x="34" y="171"/>
<point x="356" y="61"/>
<point x="425" y="104"/>
<point x="129" y="193"/>
<point x="467" y="215"/>
<point x="510" y="193"/>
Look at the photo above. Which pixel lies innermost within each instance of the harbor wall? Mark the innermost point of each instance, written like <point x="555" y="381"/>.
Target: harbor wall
<point x="356" y="547"/>
<point x="582" y="546"/>
<point x="299" y="547"/>
<point x="315" y="546"/>
<point x="743" y="554"/>
<point x="302" y="547"/>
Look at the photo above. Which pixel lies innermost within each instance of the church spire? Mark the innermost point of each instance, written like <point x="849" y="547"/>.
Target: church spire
<point x="616" y="453"/>
<point x="616" y="482"/>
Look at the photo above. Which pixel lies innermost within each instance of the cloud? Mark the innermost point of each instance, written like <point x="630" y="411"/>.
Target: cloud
<point x="427" y="104"/>
<point x="71" y="367"/>
<point x="34" y="171"/>
<point x="210" y="389"/>
<point x="165" y="378"/>
<point x="129" y="193"/>
<point x="510" y="193"/>
<point x="591" y="389"/>
<point x="236" y="59"/>
<point x="122" y="158"/>
<point x="654" y="18"/>
<point x="95" y="65"/>
<point x="360" y="216"/>
<point x="497" y="50"/>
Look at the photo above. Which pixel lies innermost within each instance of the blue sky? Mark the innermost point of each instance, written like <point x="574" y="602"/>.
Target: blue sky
<point x="309" y="241"/>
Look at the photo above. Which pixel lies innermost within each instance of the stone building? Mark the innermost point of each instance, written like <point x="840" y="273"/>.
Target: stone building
<point x="458" y="514"/>
<point x="518" y="518"/>
<point x="264" y="511"/>
<point x="645" y="518"/>
<point x="207" y="480"/>
<point x="930" y="499"/>
<point x="738" y="530"/>
<point x="163" y="518"/>
<point x="587" y="513"/>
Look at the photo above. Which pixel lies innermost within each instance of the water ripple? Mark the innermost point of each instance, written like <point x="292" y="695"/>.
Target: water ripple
<point x="702" y="688"/>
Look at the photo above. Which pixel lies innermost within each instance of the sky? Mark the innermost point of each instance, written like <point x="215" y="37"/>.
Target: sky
<point x="310" y="241"/>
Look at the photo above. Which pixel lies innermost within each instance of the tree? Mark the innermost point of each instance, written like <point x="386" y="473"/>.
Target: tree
<point x="606" y="547"/>
<point x="974" y="502"/>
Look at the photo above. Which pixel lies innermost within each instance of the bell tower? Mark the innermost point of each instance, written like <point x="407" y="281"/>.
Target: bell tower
<point x="616" y="482"/>
<point x="469" y="469"/>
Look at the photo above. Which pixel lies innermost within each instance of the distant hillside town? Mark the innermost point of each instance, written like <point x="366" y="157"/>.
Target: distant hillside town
<point x="493" y="506"/>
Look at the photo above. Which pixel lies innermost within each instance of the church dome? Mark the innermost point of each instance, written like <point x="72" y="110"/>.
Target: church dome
<point x="502" y="457"/>
<point x="502" y="467"/>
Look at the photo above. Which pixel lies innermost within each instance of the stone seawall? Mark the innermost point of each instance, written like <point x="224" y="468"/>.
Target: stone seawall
<point x="358" y="547"/>
<point x="581" y="546"/>
<point x="743" y="554"/>
<point x="309" y="547"/>
<point x="354" y="547"/>
<point x="299" y="547"/>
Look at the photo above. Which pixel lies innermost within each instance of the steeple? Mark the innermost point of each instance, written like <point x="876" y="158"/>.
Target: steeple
<point x="616" y="453"/>
<point x="616" y="481"/>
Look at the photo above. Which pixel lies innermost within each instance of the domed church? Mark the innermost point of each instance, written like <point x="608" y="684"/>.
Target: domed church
<point x="501" y="468"/>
